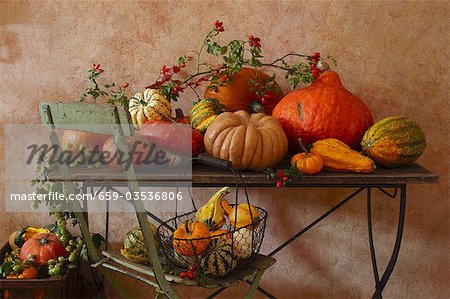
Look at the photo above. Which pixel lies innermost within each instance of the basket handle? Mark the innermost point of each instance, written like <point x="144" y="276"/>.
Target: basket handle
<point x="215" y="162"/>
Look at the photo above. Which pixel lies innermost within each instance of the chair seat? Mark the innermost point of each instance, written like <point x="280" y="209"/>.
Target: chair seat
<point x="257" y="263"/>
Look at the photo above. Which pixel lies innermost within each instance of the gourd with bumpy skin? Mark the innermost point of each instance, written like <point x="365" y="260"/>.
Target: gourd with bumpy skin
<point x="254" y="142"/>
<point x="149" y="105"/>
<point x="394" y="142"/>
<point x="339" y="157"/>
<point x="218" y="260"/>
<point x="212" y="213"/>
<point x="135" y="248"/>
<point x="325" y="109"/>
<point x="204" y="113"/>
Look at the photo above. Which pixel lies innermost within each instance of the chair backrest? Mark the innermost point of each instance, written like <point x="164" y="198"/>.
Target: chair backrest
<point x="102" y="119"/>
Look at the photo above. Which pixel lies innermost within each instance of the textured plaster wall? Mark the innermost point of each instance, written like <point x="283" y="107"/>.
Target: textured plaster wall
<point x="393" y="54"/>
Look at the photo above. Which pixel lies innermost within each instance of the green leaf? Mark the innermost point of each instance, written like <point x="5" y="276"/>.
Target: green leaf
<point x="6" y="269"/>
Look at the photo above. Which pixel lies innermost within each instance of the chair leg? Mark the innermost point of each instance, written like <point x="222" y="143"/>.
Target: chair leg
<point x="254" y="286"/>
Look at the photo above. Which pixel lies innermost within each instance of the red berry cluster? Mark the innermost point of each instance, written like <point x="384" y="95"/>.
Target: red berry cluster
<point x="281" y="179"/>
<point x="96" y="68"/>
<point x="269" y="100"/>
<point x="219" y="26"/>
<point x="190" y="274"/>
<point x="254" y="41"/>
<point x="167" y="74"/>
<point x="313" y="64"/>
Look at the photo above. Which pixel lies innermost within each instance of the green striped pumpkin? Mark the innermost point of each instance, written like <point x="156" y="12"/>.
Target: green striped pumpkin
<point x="204" y="112"/>
<point x="394" y="142"/>
<point x="218" y="260"/>
<point x="134" y="245"/>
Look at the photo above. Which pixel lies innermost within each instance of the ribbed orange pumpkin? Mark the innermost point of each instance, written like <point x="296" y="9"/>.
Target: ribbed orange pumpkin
<point x="43" y="247"/>
<point x="239" y="94"/>
<point x="255" y="141"/>
<point x="325" y="109"/>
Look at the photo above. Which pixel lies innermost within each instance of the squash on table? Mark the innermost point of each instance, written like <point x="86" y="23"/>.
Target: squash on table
<point x="204" y="112"/>
<point x="394" y="142"/>
<point x="240" y="94"/>
<point x="218" y="260"/>
<point x="75" y="140"/>
<point x="325" y="109"/>
<point x="339" y="157"/>
<point x="43" y="247"/>
<point x="191" y="238"/>
<point x="306" y="162"/>
<point x="255" y="141"/>
<point x="150" y="104"/>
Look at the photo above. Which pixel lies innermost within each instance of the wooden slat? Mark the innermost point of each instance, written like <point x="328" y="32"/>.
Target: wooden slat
<point x="203" y="175"/>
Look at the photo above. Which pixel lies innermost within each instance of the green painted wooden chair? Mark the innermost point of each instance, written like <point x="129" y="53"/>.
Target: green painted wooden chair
<point x="112" y="120"/>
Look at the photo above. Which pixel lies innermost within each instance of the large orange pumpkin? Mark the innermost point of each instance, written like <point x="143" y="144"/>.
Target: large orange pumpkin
<point x="255" y="141"/>
<point x="241" y="95"/>
<point x="325" y="109"/>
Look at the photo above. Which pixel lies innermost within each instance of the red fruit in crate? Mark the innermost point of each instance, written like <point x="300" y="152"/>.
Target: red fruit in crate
<point x="43" y="247"/>
<point x="323" y="110"/>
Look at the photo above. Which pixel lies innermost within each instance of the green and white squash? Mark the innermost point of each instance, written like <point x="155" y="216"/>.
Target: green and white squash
<point x="149" y="105"/>
<point x="204" y="113"/>
<point x="218" y="260"/>
<point x="394" y="142"/>
<point x="134" y="245"/>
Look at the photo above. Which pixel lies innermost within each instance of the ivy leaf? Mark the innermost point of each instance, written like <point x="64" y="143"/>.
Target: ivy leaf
<point x="6" y="269"/>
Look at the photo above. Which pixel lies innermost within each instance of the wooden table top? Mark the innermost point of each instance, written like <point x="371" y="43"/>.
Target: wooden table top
<point x="203" y="175"/>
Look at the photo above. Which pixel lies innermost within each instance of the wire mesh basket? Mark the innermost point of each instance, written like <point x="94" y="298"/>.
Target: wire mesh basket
<point x="185" y="242"/>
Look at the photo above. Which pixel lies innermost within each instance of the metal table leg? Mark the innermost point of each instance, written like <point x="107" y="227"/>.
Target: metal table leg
<point x="381" y="283"/>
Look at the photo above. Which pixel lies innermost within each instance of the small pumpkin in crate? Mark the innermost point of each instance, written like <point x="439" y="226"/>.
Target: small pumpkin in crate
<point x="240" y="94"/>
<point x="218" y="260"/>
<point x="191" y="238"/>
<point x="27" y="272"/>
<point x="21" y="235"/>
<point x="394" y="142"/>
<point x="254" y="142"/>
<point x="339" y="157"/>
<point x="149" y="105"/>
<point x="204" y="112"/>
<point x="325" y="109"/>
<point x="135" y="248"/>
<point x="43" y="247"/>
<point x="306" y="162"/>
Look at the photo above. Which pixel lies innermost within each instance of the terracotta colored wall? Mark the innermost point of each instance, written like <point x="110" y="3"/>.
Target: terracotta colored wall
<point x="393" y="54"/>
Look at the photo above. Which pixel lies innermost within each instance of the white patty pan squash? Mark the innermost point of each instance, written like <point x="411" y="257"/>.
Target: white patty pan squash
<point x="149" y="105"/>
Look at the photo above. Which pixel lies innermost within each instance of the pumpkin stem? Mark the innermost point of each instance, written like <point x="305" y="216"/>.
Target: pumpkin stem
<point x="302" y="147"/>
<point x="186" y="225"/>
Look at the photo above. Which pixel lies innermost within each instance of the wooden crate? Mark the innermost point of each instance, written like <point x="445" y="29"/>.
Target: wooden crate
<point x="78" y="283"/>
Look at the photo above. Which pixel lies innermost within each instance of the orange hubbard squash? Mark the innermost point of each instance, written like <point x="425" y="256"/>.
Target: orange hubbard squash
<point x="241" y="95"/>
<point x="325" y="109"/>
<point x="255" y="141"/>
